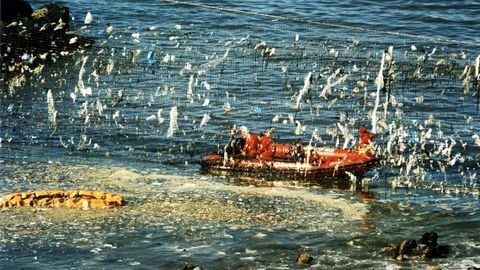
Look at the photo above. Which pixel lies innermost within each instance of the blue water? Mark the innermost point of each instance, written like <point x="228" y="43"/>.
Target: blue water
<point x="440" y="19"/>
<point x="177" y="215"/>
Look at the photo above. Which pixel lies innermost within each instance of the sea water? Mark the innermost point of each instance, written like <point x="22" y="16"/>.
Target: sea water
<point x="140" y="130"/>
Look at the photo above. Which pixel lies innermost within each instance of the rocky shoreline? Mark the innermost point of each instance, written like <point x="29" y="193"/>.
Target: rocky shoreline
<point x="31" y="37"/>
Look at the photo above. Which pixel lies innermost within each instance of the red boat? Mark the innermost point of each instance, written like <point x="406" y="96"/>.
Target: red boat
<point x="315" y="163"/>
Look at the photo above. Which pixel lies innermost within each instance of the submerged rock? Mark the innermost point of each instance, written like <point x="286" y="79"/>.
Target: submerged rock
<point x="304" y="258"/>
<point x="427" y="247"/>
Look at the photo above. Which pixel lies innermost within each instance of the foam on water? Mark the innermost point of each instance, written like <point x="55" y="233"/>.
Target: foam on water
<point x="187" y="199"/>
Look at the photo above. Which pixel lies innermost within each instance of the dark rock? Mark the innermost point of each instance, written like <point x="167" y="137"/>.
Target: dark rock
<point x="192" y="267"/>
<point x="429" y="239"/>
<point x="52" y="18"/>
<point x="389" y="249"/>
<point x="11" y="10"/>
<point x="304" y="258"/>
<point x="31" y="38"/>
<point x="44" y="30"/>
<point x="427" y="247"/>
<point x="408" y="247"/>
<point x="473" y="268"/>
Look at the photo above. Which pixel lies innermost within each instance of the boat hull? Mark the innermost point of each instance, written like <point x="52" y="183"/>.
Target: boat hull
<point x="331" y="164"/>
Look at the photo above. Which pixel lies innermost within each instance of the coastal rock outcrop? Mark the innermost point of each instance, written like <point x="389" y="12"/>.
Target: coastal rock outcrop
<point x="427" y="247"/>
<point x="30" y="37"/>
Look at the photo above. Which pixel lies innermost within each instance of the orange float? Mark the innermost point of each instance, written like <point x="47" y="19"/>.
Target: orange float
<point x="58" y="198"/>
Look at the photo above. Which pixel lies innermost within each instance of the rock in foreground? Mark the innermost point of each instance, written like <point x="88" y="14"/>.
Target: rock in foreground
<point x="304" y="258"/>
<point x="427" y="247"/>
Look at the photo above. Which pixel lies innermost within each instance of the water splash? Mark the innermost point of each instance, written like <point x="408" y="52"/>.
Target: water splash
<point x="205" y="120"/>
<point x="217" y="61"/>
<point x="173" y="126"/>
<point x="88" y="18"/>
<point x="379" y="82"/>
<point x="304" y="90"/>
<point x="52" y="113"/>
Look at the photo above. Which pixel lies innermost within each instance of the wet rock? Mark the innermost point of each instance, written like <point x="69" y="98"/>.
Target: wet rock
<point x="429" y="239"/>
<point x="304" y="258"/>
<point x="389" y="249"/>
<point x="33" y="37"/>
<point x="51" y="18"/>
<point x="192" y="267"/>
<point x="473" y="268"/>
<point x="12" y="10"/>
<point x="427" y="247"/>
<point x="407" y="247"/>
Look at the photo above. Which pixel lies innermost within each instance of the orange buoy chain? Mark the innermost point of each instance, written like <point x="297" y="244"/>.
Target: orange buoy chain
<point x="57" y="198"/>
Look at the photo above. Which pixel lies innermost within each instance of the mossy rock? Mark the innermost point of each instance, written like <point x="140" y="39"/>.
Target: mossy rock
<point x="52" y="18"/>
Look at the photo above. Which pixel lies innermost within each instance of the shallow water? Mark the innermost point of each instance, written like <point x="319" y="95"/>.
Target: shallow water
<point x="177" y="215"/>
<point x="173" y="220"/>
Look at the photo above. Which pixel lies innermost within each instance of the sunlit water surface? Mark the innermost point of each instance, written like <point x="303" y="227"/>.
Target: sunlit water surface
<point x="177" y="215"/>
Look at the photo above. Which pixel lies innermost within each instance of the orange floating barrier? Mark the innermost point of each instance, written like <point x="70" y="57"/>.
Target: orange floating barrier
<point x="58" y="198"/>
